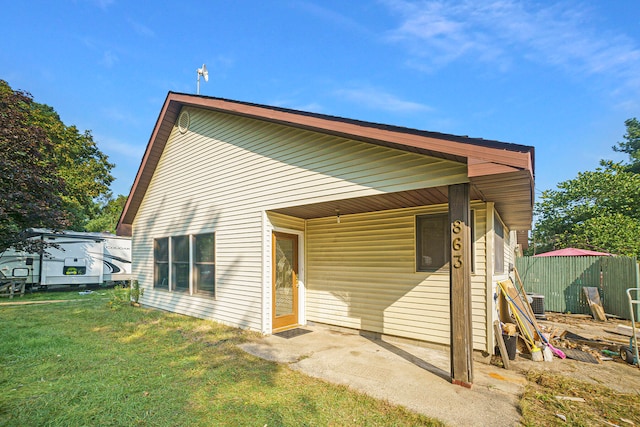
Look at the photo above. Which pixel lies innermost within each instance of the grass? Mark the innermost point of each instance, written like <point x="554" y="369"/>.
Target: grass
<point x="78" y="362"/>
<point x="81" y="363"/>
<point x="602" y="406"/>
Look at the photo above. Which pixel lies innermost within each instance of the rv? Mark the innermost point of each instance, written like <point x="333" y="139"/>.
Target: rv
<point x="77" y="258"/>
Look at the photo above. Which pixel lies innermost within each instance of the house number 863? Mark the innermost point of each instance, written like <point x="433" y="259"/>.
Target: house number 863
<point x="456" y="243"/>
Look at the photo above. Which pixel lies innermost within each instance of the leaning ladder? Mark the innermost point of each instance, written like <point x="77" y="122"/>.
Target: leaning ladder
<point x="632" y="303"/>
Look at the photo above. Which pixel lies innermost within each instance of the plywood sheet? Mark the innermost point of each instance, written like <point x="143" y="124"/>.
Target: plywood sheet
<point x="593" y="297"/>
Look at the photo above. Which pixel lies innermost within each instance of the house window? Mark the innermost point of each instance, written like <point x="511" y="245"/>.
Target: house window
<point x="180" y="263"/>
<point x="498" y="245"/>
<point x="185" y="264"/>
<point x="161" y="263"/>
<point x="204" y="264"/>
<point x="432" y="242"/>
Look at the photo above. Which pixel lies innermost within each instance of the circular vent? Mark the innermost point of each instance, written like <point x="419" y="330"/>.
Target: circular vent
<point x="183" y="122"/>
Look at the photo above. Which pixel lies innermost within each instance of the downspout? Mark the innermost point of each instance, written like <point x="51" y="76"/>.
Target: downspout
<point x="306" y="265"/>
<point x="263" y="315"/>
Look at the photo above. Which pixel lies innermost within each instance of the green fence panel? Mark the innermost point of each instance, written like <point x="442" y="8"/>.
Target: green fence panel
<point x="619" y="274"/>
<point x="561" y="279"/>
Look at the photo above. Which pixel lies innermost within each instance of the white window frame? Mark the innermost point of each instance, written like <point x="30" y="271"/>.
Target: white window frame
<point x="191" y="241"/>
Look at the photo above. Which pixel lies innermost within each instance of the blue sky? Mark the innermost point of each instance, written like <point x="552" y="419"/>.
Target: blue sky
<point x="562" y="76"/>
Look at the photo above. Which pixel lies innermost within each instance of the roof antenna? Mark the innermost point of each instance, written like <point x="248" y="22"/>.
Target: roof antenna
<point x="204" y="73"/>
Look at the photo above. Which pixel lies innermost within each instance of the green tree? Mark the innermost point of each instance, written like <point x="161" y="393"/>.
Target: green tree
<point x="83" y="167"/>
<point x="616" y="233"/>
<point x="596" y="210"/>
<point x="52" y="175"/>
<point x="31" y="189"/>
<point x="107" y="218"/>
<point x="631" y="144"/>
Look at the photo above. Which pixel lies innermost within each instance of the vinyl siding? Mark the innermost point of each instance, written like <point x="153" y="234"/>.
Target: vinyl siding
<point x="286" y="222"/>
<point x="226" y="171"/>
<point x="361" y="274"/>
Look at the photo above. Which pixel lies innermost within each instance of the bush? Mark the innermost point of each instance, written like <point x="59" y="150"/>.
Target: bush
<point x="136" y="292"/>
<point x="123" y="295"/>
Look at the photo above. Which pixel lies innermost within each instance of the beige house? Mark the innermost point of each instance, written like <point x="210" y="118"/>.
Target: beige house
<point x="268" y="218"/>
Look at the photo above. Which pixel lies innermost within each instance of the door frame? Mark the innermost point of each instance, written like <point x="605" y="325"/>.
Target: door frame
<point x="302" y="317"/>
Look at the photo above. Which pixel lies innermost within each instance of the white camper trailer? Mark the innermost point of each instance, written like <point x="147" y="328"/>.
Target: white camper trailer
<point x="78" y="258"/>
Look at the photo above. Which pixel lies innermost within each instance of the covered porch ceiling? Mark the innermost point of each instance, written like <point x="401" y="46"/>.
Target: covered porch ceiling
<point x="379" y="202"/>
<point x="510" y="195"/>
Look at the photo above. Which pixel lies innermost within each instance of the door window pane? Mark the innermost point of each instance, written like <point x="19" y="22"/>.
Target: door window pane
<point x="284" y="276"/>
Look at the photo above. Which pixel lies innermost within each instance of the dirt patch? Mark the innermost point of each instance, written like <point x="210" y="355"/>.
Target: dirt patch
<point x="567" y="331"/>
<point x="27" y="302"/>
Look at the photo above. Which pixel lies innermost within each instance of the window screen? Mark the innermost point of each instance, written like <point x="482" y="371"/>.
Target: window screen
<point x="432" y="233"/>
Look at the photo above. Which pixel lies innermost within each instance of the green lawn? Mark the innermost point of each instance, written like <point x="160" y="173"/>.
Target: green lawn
<point x="79" y="363"/>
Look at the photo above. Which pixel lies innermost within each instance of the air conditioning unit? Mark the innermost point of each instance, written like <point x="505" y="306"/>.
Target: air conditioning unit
<point x="537" y="304"/>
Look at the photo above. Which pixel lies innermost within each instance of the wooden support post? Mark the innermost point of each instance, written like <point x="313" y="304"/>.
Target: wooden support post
<point x="460" y="286"/>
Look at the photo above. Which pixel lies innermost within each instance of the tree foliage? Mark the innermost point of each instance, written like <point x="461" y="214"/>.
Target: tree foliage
<point x="616" y="233"/>
<point x="597" y="210"/>
<point x="107" y="218"/>
<point x="52" y="175"/>
<point x="631" y="144"/>
<point x="31" y="189"/>
<point x="83" y="167"/>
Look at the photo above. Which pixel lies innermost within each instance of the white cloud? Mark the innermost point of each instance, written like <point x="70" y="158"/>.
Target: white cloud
<point x="103" y="4"/>
<point x="115" y="148"/>
<point x="109" y="59"/>
<point x="312" y="107"/>
<point x="141" y="29"/>
<point x="114" y="113"/>
<point x="380" y="100"/>
<point x="560" y="34"/>
<point x="332" y="17"/>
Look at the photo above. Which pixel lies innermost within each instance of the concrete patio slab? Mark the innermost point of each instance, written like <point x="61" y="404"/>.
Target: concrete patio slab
<point x="400" y="371"/>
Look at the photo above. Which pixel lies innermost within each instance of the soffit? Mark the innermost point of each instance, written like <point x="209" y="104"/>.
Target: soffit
<point x="387" y="201"/>
<point x="512" y="194"/>
<point x="512" y="205"/>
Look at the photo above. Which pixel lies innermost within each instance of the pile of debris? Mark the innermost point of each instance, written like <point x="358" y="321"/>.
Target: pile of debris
<point x="616" y="346"/>
<point x="518" y="331"/>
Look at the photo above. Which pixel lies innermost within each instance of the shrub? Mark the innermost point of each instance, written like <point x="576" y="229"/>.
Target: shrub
<point x="123" y="295"/>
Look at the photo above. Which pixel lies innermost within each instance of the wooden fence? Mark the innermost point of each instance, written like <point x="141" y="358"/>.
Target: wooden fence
<point x="561" y="279"/>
